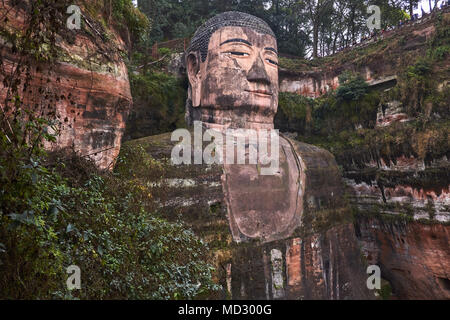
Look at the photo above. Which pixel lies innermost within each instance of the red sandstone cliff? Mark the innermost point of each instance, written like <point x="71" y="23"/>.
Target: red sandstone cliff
<point x="414" y="258"/>
<point x="377" y="60"/>
<point x="87" y="86"/>
<point x="399" y="185"/>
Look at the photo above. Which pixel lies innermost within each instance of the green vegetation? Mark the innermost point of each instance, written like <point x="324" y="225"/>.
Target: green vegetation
<point x="159" y="97"/>
<point x="386" y="290"/>
<point x="300" y="26"/>
<point x="343" y="121"/>
<point x="351" y="87"/>
<point x="352" y="105"/>
<point x="122" y="15"/>
<point x="58" y="210"/>
<point x="129" y="17"/>
<point x="294" y="112"/>
<point x="54" y="216"/>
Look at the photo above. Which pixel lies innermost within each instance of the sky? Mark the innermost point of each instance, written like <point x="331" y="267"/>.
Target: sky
<point x="425" y="5"/>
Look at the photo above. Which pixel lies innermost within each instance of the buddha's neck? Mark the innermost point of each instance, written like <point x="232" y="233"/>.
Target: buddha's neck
<point x="232" y="119"/>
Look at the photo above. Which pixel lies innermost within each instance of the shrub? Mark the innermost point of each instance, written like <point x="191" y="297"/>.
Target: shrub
<point x="159" y="104"/>
<point x="294" y="112"/>
<point x="351" y="87"/>
<point x="421" y="68"/>
<point x="440" y="53"/>
<point x="58" y="210"/>
<point x="127" y="16"/>
<point x="98" y="222"/>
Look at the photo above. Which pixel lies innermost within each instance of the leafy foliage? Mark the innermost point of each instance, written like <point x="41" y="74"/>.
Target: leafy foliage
<point x="295" y="112"/>
<point x="351" y="87"/>
<point x="97" y="221"/>
<point x="159" y="97"/>
<point x="121" y="15"/>
<point x="421" y="68"/>
<point x="58" y="210"/>
<point x="350" y="106"/>
<point x="131" y="18"/>
<point x="303" y="28"/>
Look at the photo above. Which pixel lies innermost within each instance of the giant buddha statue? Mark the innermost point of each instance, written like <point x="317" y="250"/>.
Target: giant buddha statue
<point x="282" y="235"/>
<point x="232" y="65"/>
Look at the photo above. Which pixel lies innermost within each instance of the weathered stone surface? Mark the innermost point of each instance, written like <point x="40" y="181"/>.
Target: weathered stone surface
<point x="266" y="207"/>
<point x="233" y="81"/>
<point x="268" y="232"/>
<point x="414" y="258"/>
<point x="89" y="82"/>
<point x="322" y="266"/>
<point x="393" y="113"/>
<point x="303" y="264"/>
<point x="307" y="84"/>
<point x="177" y="65"/>
<point x="406" y="186"/>
<point x="264" y="246"/>
<point x="376" y="63"/>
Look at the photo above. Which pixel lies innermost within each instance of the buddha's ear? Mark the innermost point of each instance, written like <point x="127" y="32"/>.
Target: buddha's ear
<point x="194" y="75"/>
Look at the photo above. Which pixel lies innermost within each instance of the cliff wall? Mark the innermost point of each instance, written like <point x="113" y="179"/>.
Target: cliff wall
<point x="319" y="260"/>
<point x="391" y="143"/>
<point x="86" y="85"/>
<point x="378" y="60"/>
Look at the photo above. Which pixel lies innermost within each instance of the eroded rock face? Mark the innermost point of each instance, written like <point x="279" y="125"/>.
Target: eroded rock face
<point x="414" y="258"/>
<point x="322" y="266"/>
<point x="400" y="182"/>
<point x="233" y="73"/>
<point x="233" y="76"/>
<point x="88" y="85"/>
<point x="264" y="247"/>
<point x="405" y="185"/>
<point x="299" y="264"/>
<point x="267" y="207"/>
<point x="264" y="224"/>
<point x="309" y="84"/>
<point x="393" y="113"/>
<point x="263" y="229"/>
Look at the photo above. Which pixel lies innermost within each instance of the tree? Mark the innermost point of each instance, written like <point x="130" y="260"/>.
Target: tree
<point x="411" y="5"/>
<point x="432" y="7"/>
<point x="288" y="23"/>
<point x="315" y="11"/>
<point x="303" y="28"/>
<point x="180" y="18"/>
<point x="391" y="11"/>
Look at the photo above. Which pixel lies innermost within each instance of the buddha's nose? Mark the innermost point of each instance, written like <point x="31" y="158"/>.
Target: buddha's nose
<point x="257" y="72"/>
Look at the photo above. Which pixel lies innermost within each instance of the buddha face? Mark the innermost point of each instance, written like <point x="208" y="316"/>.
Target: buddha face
<point x="238" y="79"/>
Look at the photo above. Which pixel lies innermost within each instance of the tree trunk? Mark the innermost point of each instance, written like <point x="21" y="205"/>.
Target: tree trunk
<point x="315" y="39"/>
<point x="334" y="43"/>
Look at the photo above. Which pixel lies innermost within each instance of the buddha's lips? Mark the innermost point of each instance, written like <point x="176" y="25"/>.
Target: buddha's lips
<point x="263" y="92"/>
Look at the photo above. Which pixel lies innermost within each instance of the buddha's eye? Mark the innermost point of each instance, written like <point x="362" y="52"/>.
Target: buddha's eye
<point x="272" y="62"/>
<point x="237" y="53"/>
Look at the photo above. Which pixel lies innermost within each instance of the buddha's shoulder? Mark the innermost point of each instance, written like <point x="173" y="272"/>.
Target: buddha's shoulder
<point x="323" y="177"/>
<point x="312" y="155"/>
<point x="157" y="146"/>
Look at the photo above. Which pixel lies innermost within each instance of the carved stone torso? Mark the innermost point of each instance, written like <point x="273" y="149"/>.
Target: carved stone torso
<point x="265" y="207"/>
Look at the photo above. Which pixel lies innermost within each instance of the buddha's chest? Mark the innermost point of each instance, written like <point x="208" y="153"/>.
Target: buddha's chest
<point x="265" y="206"/>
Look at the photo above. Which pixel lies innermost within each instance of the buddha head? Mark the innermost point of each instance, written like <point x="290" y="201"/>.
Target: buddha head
<point x="232" y="65"/>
